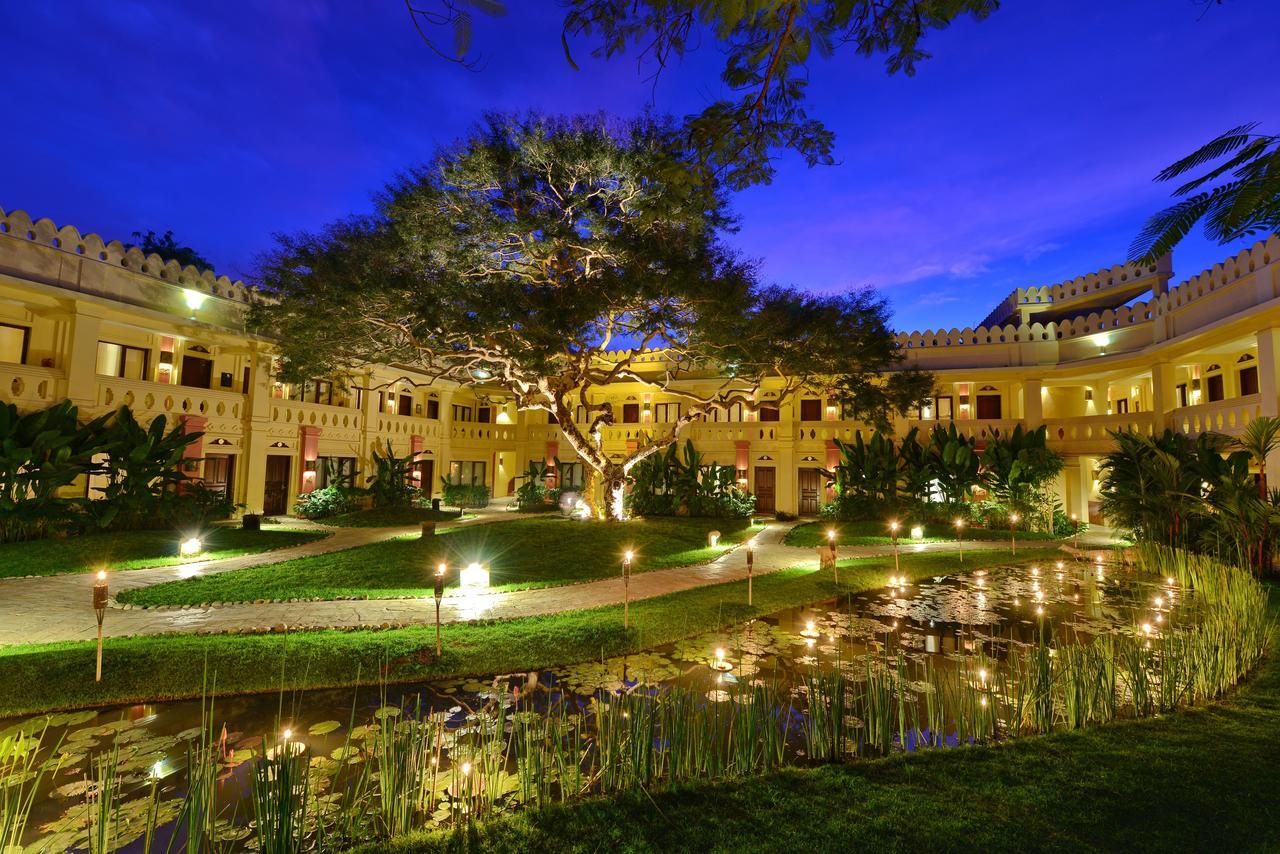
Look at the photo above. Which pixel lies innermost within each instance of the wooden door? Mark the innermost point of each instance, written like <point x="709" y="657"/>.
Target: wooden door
<point x="810" y="490"/>
<point x="766" y="489"/>
<point x="426" y="477"/>
<point x="989" y="407"/>
<point x="219" y="473"/>
<point x="196" y="372"/>
<point x="275" y="498"/>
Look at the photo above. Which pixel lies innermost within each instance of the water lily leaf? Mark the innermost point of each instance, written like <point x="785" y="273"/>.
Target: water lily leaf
<point x="323" y="728"/>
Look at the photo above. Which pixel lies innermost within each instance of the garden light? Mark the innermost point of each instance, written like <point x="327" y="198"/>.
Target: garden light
<point x="475" y="575"/>
<point x="100" y="596"/>
<point x="751" y="559"/>
<point x="190" y="547"/>
<point x="917" y="532"/>
<point x="627" y="557"/>
<point x="893" y="532"/>
<point x="719" y="663"/>
<point x="1013" y="533"/>
<point x="960" y="537"/>
<point x="441" y="569"/>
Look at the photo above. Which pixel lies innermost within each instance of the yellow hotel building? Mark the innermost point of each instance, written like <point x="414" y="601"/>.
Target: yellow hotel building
<point x="104" y="325"/>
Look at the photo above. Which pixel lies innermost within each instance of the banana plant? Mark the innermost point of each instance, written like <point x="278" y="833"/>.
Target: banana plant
<point x="142" y="465"/>
<point x="952" y="459"/>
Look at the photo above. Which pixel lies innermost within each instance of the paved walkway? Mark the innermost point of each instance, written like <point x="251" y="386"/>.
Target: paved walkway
<point x="58" y="608"/>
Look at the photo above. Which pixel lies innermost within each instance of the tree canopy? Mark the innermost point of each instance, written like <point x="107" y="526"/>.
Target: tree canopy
<point x="767" y="44"/>
<point x="542" y="256"/>
<point x="168" y="248"/>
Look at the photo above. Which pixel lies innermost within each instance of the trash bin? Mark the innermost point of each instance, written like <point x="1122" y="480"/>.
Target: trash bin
<point x="428" y="530"/>
<point x="251" y="522"/>
<point x="435" y="504"/>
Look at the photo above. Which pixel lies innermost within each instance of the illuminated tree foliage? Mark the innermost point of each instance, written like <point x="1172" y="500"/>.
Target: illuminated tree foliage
<point x="542" y="256"/>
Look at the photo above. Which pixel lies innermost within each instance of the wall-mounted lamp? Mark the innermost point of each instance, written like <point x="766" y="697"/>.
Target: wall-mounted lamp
<point x="193" y="299"/>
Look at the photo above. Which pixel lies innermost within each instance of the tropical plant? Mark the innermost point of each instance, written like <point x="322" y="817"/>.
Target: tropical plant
<point x="1018" y="467"/>
<point x="42" y="453"/>
<point x="391" y="484"/>
<point x="143" y="469"/>
<point x="952" y="459"/>
<point x="521" y="256"/>
<point x="1244" y="204"/>
<point x="533" y="493"/>
<point x="866" y="478"/>
<point x="1261" y="437"/>
<point x="672" y="483"/>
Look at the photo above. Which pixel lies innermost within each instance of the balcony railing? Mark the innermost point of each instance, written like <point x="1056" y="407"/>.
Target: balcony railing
<point x="1229" y="416"/>
<point x="31" y="387"/>
<point x="1093" y="432"/>
<point x="150" y="399"/>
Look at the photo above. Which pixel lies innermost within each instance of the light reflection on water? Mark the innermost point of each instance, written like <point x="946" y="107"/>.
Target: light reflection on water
<point x="945" y="619"/>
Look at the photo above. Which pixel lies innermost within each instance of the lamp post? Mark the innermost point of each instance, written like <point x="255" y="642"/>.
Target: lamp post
<point x="439" y="594"/>
<point x="893" y="532"/>
<point x="1075" y="528"/>
<point x="960" y="537"/>
<point x="831" y="544"/>
<point x="100" y="610"/>
<point x="1013" y="533"/>
<point x="627" y="557"/>
<point x="751" y="559"/>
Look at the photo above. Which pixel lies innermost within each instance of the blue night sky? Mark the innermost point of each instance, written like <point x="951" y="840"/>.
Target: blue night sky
<point x="1021" y="154"/>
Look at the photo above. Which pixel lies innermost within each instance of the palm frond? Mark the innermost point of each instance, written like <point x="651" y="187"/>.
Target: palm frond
<point x="1213" y="149"/>
<point x="1163" y="230"/>
<point x="1242" y="157"/>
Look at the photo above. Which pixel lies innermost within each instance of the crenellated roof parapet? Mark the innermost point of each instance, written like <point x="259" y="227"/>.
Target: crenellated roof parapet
<point x="92" y="247"/>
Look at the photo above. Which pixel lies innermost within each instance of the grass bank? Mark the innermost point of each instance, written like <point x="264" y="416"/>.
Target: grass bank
<point x="138" y="550"/>
<point x="522" y="553"/>
<point x="57" y="676"/>
<point x="1198" y="780"/>
<point x="814" y="534"/>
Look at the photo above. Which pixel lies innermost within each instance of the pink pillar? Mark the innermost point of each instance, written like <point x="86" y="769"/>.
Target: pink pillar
<point x="553" y="476"/>
<point x="833" y="460"/>
<point x="742" y="461"/>
<point x="194" y="452"/>
<point x="310" y="443"/>
<point x="415" y="448"/>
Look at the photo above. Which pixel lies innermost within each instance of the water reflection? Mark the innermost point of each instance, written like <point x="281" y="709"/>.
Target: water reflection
<point x="966" y="623"/>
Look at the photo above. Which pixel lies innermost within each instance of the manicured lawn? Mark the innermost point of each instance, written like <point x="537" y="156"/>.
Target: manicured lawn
<point x="55" y="676"/>
<point x="522" y="553"/>
<point x="814" y="534"/>
<point x="390" y="517"/>
<point x="137" y="550"/>
<point x="1199" y="780"/>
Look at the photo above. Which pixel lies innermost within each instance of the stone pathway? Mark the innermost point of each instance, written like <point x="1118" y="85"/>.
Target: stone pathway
<point x="58" y="608"/>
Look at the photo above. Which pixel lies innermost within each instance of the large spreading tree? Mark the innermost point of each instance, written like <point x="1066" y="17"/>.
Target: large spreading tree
<point x="543" y="256"/>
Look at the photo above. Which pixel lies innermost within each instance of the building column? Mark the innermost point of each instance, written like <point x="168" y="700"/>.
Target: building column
<point x="1084" y="488"/>
<point x="742" y="464"/>
<point x="1032" y="403"/>
<point x="1269" y="388"/>
<point x="257" y="423"/>
<point x="83" y="332"/>
<point x="1164" y="396"/>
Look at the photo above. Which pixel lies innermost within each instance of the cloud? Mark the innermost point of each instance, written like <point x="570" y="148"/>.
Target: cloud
<point x="1034" y="252"/>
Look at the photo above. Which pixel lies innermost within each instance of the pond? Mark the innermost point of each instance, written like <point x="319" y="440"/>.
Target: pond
<point x="955" y="659"/>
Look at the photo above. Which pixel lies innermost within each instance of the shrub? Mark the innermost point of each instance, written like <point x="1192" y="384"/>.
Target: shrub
<point x="332" y="500"/>
<point x="464" y="494"/>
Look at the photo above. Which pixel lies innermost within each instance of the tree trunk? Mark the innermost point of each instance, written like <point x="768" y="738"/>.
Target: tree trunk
<point x="614" y="479"/>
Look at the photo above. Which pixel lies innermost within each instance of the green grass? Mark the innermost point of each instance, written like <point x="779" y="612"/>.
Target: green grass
<point x="1199" y="780"/>
<point x="522" y="553"/>
<point x="390" y="517"/>
<point x="137" y="550"/>
<point x="814" y="534"/>
<point x="56" y="676"/>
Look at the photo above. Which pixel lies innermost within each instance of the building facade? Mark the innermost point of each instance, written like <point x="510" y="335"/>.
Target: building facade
<point x="104" y="325"/>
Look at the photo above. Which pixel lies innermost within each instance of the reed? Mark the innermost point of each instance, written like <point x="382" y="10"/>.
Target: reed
<point x="21" y="772"/>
